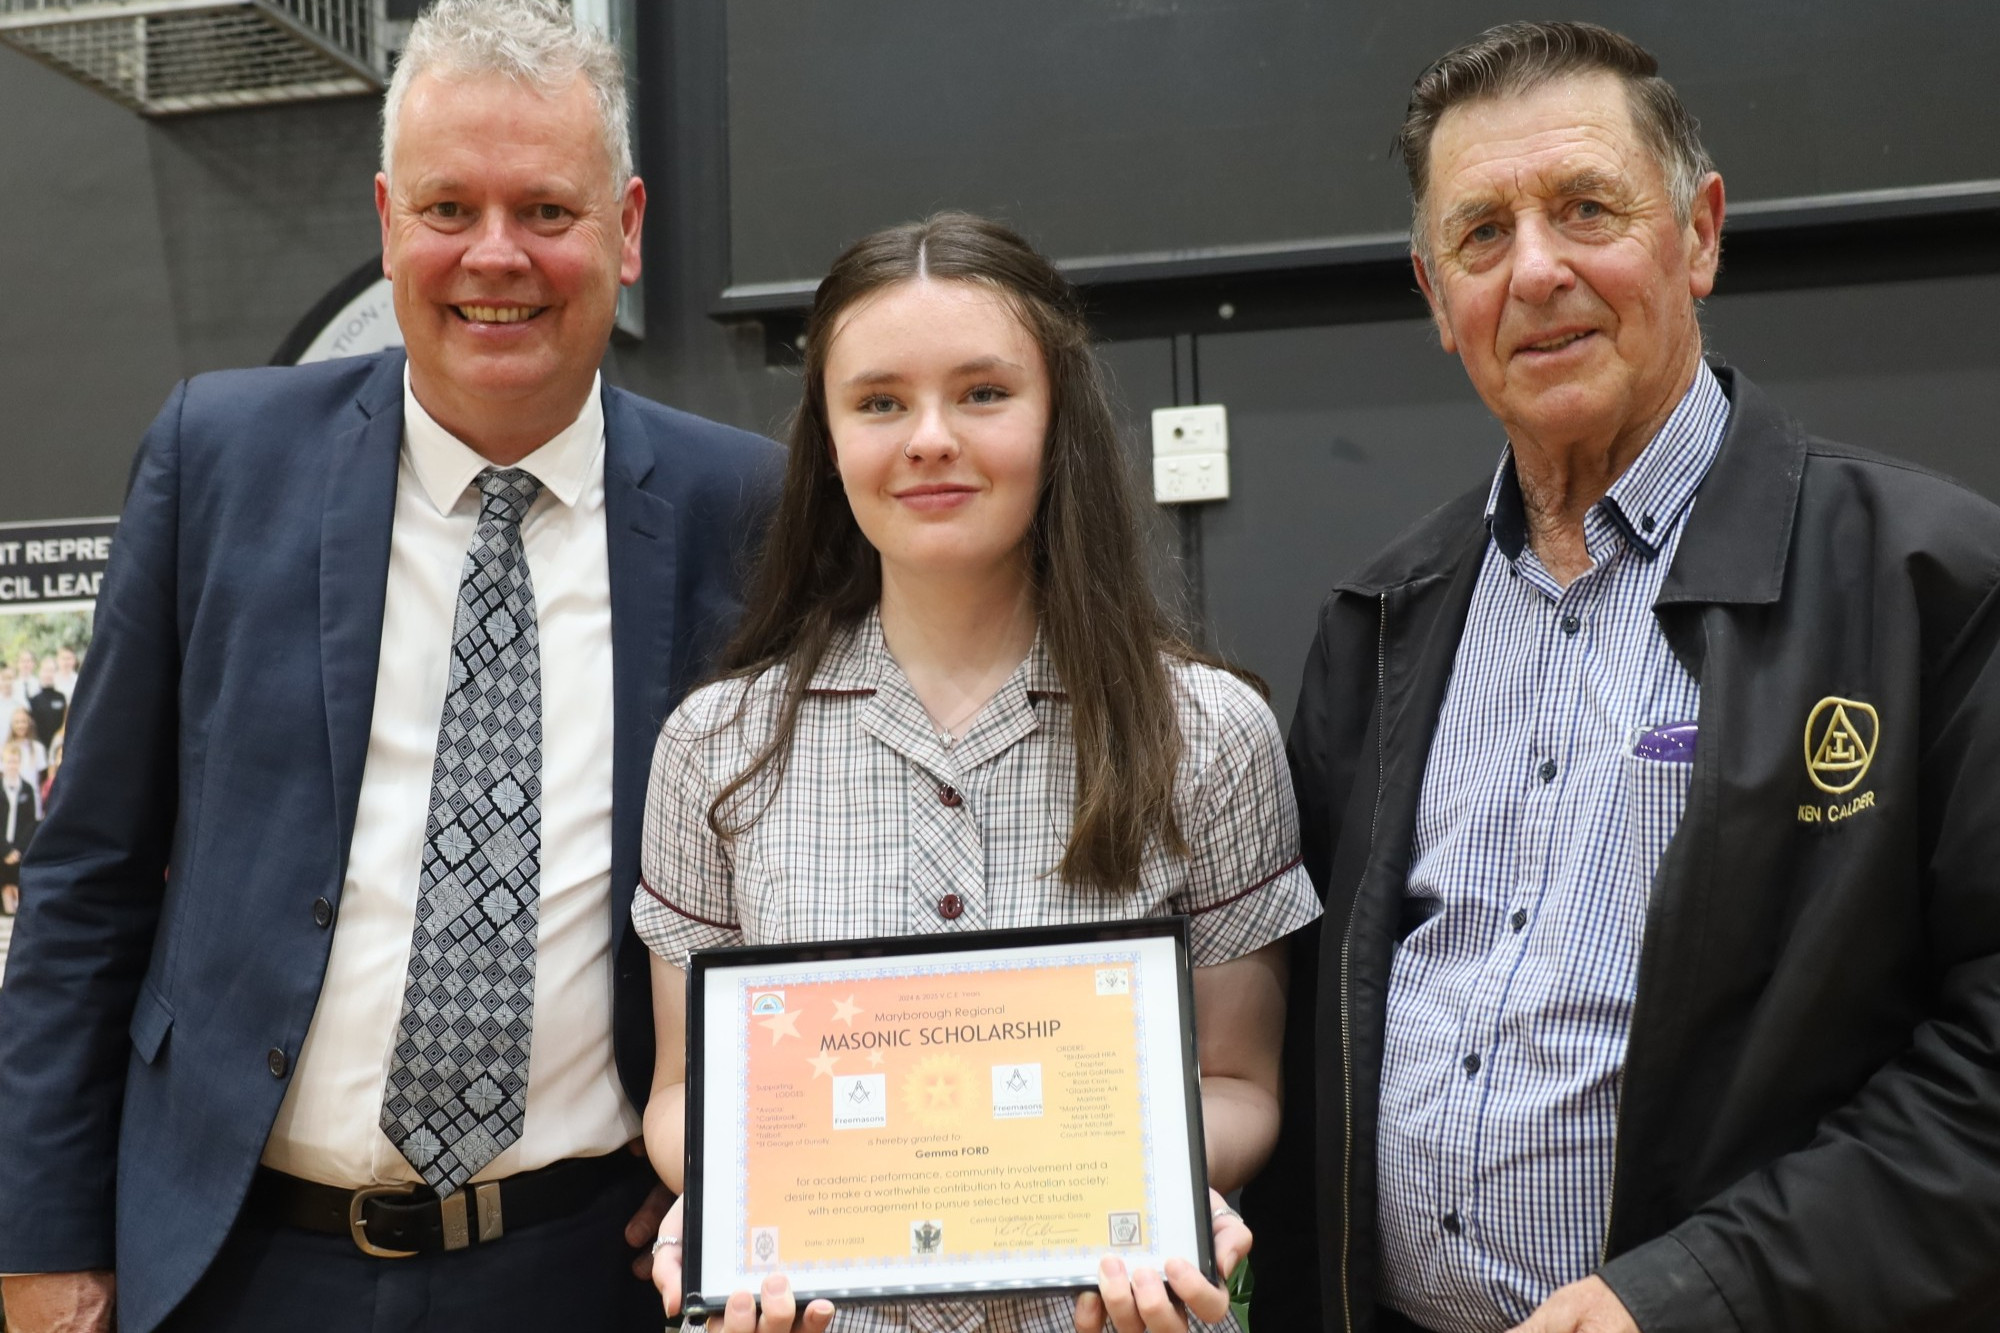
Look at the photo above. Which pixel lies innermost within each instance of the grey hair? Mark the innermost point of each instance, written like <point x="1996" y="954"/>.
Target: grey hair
<point x="1517" y="58"/>
<point x="535" y="42"/>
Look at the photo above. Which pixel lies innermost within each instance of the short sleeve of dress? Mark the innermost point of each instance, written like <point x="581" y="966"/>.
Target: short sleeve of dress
<point x="686" y="899"/>
<point x="1245" y="885"/>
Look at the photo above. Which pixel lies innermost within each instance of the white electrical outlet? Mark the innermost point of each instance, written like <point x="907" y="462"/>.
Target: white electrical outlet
<point x="1190" y="454"/>
<point x="1188" y="478"/>
<point x="1191" y="430"/>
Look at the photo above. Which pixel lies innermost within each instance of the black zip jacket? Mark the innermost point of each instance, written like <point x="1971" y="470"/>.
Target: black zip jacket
<point x="1809" y="1120"/>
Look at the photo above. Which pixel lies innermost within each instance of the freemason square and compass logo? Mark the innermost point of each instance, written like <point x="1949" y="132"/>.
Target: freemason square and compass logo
<point x="1840" y="743"/>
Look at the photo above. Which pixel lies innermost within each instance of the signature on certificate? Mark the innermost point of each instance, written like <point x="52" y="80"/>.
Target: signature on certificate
<point x="1032" y="1231"/>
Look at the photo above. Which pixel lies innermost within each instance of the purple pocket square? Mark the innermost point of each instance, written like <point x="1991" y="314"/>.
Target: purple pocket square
<point x="1670" y="744"/>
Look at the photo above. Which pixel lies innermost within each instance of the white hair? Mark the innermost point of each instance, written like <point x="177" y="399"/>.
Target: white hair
<point x="535" y="42"/>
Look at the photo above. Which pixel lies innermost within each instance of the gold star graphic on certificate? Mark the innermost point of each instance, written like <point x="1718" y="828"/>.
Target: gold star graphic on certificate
<point x="823" y="1064"/>
<point x="845" y="1010"/>
<point x="875" y="1059"/>
<point x="782" y="1025"/>
<point x="938" y="1091"/>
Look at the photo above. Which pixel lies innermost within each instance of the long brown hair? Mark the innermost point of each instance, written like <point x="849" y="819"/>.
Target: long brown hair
<point x="1102" y="630"/>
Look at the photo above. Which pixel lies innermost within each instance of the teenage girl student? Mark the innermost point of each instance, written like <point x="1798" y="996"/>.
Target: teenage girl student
<point x="952" y="704"/>
<point x="34" y="755"/>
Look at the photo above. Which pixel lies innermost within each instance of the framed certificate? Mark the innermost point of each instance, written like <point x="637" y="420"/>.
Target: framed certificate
<point x="979" y="1114"/>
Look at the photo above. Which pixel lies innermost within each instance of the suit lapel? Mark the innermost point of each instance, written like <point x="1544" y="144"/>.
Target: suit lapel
<point x="353" y="573"/>
<point x="639" y="534"/>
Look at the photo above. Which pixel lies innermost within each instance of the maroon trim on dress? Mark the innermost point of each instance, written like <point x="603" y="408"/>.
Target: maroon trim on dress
<point x="678" y="910"/>
<point x="1286" y="868"/>
<point x="839" y="694"/>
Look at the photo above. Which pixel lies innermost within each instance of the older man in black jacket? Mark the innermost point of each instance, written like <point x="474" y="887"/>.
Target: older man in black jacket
<point x="1651" y="791"/>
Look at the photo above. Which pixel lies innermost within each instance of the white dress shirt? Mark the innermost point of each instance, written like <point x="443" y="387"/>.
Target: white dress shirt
<point x="327" y="1129"/>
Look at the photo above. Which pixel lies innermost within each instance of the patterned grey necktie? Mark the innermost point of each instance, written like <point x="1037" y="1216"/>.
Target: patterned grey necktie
<point x="458" y="1079"/>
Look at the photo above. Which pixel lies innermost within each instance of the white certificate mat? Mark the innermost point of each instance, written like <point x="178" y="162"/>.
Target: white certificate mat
<point x="943" y="1115"/>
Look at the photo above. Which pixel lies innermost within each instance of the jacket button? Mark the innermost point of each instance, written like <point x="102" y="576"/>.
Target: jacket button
<point x="949" y="796"/>
<point x="951" y="906"/>
<point x="274" y="1060"/>
<point x="1547" y="770"/>
<point x="322" y="913"/>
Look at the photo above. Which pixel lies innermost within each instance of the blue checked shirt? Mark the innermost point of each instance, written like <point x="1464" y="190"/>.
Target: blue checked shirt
<point x="1537" y="836"/>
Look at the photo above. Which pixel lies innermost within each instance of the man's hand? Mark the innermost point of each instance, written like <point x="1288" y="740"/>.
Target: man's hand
<point x="644" y="1226"/>
<point x="1581" y="1307"/>
<point x="60" y="1302"/>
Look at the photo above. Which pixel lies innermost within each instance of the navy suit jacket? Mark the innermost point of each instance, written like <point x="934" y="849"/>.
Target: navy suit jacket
<point x="167" y="959"/>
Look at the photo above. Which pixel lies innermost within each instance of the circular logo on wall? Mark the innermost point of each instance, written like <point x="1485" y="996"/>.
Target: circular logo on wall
<point x="357" y="317"/>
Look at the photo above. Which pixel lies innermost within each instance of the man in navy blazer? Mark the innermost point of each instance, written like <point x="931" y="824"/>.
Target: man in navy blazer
<point x="188" y="1091"/>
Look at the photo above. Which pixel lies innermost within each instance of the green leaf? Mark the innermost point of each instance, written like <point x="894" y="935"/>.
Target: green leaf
<point x="1241" y="1287"/>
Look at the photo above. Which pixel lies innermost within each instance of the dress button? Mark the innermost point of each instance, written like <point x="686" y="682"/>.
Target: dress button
<point x="1519" y="919"/>
<point x="1451" y="1223"/>
<point x="1571" y="624"/>
<point x="322" y="913"/>
<point x="1471" y="1065"/>
<point x="274" y="1060"/>
<point x="1547" y="770"/>
<point x="949" y="796"/>
<point x="951" y="906"/>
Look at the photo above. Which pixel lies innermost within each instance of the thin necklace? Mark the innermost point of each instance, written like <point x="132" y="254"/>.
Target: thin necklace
<point x="948" y="732"/>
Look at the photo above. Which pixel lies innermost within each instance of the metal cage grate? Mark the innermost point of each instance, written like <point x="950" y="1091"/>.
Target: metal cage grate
<point x="161" y="57"/>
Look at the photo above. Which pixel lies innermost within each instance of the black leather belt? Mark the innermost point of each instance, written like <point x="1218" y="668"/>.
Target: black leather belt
<point x="397" y="1221"/>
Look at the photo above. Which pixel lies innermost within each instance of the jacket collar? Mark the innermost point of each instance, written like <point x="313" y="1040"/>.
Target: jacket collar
<point x="648" y="641"/>
<point x="354" y="569"/>
<point x="1441" y="541"/>
<point x="1737" y="537"/>
<point x="1740" y="533"/>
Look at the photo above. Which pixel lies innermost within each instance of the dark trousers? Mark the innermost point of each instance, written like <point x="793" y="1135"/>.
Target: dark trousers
<point x="572" y="1273"/>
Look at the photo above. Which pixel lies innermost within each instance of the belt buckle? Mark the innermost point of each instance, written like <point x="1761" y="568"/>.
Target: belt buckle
<point x="356" y="1226"/>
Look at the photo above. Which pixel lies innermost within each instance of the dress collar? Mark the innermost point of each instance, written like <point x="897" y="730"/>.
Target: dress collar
<point x="858" y="664"/>
<point x="1651" y="495"/>
<point x="445" y="465"/>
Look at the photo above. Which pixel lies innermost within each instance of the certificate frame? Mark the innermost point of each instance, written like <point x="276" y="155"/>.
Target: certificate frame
<point x="1090" y="1087"/>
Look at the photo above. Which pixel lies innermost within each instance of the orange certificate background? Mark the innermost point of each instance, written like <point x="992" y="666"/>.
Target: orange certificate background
<point x="901" y="1118"/>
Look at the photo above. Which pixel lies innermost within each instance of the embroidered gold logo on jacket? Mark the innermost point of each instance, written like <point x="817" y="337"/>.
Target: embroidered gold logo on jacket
<point x="1840" y="743"/>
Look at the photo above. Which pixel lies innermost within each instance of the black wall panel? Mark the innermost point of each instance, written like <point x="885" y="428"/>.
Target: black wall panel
<point x="136" y="252"/>
<point x="1114" y="127"/>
